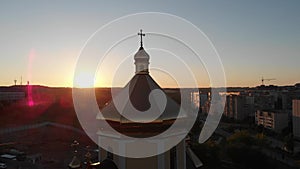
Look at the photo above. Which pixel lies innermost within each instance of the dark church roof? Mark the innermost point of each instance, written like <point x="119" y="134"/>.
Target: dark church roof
<point x="141" y="108"/>
<point x="139" y="87"/>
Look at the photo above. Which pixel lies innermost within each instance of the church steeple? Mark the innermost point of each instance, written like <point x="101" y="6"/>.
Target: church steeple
<point x="141" y="58"/>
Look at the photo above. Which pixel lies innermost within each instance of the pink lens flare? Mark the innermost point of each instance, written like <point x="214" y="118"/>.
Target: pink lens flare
<point x="30" y="101"/>
<point x="31" y="56"/>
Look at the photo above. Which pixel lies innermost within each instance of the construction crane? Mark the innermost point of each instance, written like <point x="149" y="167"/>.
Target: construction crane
<point x="263" y="80"/>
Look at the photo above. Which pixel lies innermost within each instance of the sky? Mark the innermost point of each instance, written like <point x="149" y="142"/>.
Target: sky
<point x="41" y="40"/>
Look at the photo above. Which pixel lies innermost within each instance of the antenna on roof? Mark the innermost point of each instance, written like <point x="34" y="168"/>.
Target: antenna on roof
<point x="15" y="82"/>
<point x="21" y="81"/>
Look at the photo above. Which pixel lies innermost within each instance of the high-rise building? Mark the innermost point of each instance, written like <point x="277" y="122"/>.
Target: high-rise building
<point x="296" y="119"/>
<point x="239" y="107"/>
<point x="195" y="99"/>
<point x="204" y="100"/>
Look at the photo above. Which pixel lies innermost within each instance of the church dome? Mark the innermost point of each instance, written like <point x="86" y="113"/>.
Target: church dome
<point x="141" y="54"/>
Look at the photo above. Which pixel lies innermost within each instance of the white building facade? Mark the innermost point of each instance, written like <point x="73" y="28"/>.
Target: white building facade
<point x="272" y="119"/>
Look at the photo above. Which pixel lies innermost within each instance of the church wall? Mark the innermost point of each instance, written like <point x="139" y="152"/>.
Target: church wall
<point x="151" y="147"/>
<point x="143" y="163"/>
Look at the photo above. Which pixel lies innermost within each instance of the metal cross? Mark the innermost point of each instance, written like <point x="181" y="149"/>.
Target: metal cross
<point x="141" y="34"/>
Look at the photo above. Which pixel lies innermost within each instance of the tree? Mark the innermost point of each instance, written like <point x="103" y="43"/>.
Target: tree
<point x="241" y="137"/>
<point x="208" y="153"/>
<point x="247" y="157"/>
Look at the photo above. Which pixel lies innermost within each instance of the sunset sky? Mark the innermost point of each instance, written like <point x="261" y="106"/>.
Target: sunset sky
<point x="41" y="40"/>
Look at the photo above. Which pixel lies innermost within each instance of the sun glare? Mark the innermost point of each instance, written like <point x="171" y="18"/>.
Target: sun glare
<point x="84" y="80"/>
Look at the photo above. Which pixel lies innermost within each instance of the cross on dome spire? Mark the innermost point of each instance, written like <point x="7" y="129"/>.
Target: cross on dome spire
<point x="141" y="34"/>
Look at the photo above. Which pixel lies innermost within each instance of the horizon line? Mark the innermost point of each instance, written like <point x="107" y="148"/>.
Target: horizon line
<point x="168" y="87"/>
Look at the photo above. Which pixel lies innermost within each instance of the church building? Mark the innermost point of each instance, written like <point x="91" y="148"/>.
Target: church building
<point x="139" y="89"/>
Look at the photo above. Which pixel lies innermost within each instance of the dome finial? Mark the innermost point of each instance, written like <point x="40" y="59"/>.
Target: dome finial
<point x="141" y="34"/>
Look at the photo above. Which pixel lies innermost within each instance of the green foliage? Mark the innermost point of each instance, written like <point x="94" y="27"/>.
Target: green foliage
<point x="209" y="153"/>
<point x="247" y="157"/>
<point x="243" y="137"/>
<point x="243" y="149"/>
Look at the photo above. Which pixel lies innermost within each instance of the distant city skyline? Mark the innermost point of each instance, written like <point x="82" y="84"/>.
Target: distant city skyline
<point x="41" y="41"/>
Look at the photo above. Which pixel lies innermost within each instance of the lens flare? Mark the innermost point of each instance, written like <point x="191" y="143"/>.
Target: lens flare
<point x="31" y="56"/>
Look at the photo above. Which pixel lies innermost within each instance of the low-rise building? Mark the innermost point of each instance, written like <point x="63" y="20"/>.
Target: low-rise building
<point x="11" y="94"/>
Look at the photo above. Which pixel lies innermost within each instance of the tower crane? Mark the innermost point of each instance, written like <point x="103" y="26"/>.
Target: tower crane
<point x="263" y="80"/>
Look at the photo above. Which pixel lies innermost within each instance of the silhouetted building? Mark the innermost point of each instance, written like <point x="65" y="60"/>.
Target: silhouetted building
<point x="14" y="93"/>
<point x="296" y="119"/>
<point x="139" y="89"/>
<point x="204" y="100"/>
<point x="195" y="99"/>
<point x="239" y="107"/>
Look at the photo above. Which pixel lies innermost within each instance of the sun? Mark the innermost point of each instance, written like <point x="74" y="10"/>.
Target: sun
<point x="84" y="80"/>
